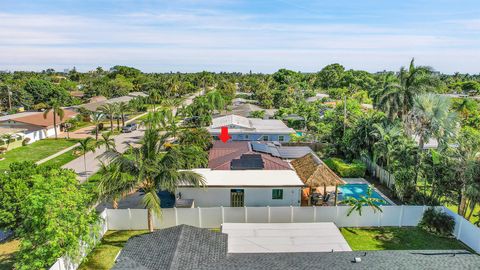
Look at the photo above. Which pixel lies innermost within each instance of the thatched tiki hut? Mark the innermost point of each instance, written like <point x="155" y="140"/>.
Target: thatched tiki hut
<point x="315" y="173"/>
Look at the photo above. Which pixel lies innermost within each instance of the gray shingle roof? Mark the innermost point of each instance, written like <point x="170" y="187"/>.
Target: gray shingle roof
<point x="185" y="247"/>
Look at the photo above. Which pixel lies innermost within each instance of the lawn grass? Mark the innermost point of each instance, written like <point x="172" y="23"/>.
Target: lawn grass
<point x="102" y="257"/>
<point x="395" y="238"/>
<point x="7" y="253"/>
<point x="62" y="159"/>
<point x="35" y="151"/>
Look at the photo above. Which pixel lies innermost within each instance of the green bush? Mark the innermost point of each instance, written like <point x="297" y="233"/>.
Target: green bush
<point x="348" y="170"/>
<point x="437" y="222"/>
<point x="25" y="141"/>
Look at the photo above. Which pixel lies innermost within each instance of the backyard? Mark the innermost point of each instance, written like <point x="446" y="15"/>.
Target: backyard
<point x="397" y="238"/>
<point x="35" y="151"/>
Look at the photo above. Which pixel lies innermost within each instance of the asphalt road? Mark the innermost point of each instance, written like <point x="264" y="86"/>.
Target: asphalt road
<point x="121" y="142"/>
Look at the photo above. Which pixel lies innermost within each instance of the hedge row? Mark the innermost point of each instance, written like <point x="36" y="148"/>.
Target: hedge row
<point x="349" y="170"/>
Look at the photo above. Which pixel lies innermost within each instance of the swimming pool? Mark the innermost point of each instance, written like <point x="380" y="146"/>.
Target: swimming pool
<point x="357" y="190"/>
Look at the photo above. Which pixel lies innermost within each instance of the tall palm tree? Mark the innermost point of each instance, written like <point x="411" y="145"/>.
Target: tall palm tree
<point x="151" y="169"/>
<point x="86" y="145"/>
<point x="155" y="98"/>
<point x="110" y="110"/>
<point x="123" y="109"/>
<point x="396" y="96"/>
<point x="96" y="119"/>
<point x="8" y="138"/>
<point x="107" y="140"/>
<point x="431" y="117"/>
<point x="216" y="100"/>
<point x="56" y="110"/>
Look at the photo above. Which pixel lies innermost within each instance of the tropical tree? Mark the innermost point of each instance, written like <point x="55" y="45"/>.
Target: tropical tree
<point x="151" y="169"/>
<point x="122" y="109"/>
<point x="96" y="119"/>
<point x="396" y="95"/>
<point x="8" y="138"/>
<point x="107" y="140"/>
<point x="357" y="204"/>
<point x="386" y="141"/>
<point x="56" y="110"/>
<point x="110" y="110"/>
<point x="86" y="145"/>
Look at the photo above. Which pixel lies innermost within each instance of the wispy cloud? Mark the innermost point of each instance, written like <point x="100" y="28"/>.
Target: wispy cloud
<point x="196" y="37"/>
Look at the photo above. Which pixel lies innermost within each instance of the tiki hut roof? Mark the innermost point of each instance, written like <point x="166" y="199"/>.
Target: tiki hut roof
<point x="314" y="172"/>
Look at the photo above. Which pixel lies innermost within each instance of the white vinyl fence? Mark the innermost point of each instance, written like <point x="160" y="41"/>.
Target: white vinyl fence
<point x="376" y="171"/>
<point x="214" y="217"/>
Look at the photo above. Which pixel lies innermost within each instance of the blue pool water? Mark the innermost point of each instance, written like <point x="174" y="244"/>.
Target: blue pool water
<point x="357" y="190"/>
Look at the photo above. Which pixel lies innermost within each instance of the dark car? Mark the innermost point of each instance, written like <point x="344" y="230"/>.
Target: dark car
<point x="129" y="127"/>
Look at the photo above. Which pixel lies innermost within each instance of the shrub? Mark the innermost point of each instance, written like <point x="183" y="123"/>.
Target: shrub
<point x="353" y="170"/>
<point x="437" y="222"/>
<point x="26" y="141"/>
<point x="3" y="149"/>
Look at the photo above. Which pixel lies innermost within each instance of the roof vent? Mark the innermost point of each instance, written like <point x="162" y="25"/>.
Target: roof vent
<point x="357" y="260"/>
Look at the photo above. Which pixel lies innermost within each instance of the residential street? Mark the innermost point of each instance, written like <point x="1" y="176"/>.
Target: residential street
<point x="122" y="141"/>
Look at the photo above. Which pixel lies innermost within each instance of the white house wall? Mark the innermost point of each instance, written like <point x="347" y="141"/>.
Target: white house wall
<point x="262" y="196"/>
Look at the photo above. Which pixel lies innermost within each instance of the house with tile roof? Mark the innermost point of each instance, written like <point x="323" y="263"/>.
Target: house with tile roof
<point x="239" y="176"/>
<point x="34" y="125"/>
<point x="251" y="129"/>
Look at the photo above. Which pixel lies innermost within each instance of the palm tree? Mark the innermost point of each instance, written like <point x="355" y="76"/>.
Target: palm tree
<point x="56" y="111"/>
<point x="107" y="140"/>
<point x="86" y="145"/>
<point x="8" y="138"/>
<point x="151" y="169"/>
<point x="123" y="109"/>
<point x="358" y="203"/>
<point x="110" y="110"/>
<point x="386" y="137"/>
<point x="96" y="119"/>
<point x="113" y="173"/>
<point x="216" y="100"/>
<point x="155" y="98"/>
<point x="396" y="96"/>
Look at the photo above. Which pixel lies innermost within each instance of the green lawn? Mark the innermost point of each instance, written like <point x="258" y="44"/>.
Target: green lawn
<point x="35" y="151"/>
<point x="394" y="238"/>
<point x="7" y="251"/>
<point x="103" y="255"/>
<point x="62" y="159"/>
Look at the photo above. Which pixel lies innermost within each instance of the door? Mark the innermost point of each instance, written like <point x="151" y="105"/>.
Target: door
<point x="236" y="197"/>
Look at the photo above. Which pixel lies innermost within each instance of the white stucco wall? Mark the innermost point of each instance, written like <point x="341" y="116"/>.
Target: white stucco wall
<point x="261" y="196"/>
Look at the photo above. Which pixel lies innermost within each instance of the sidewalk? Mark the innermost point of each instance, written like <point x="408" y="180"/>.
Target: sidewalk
<point x="56" y="154"/>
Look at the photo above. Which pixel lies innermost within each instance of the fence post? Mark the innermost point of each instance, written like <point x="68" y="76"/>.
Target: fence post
<point x="130" y="219"/>
<point x="400" y="220"/>
<point x="380" y="219"/>
<point x="268" y="211"/>
<point x="200" y="217"/>
<point x="291" y="214"/>
<point x="246" y="213"/>
<point x="314" y="214"/>
<point x="223" y="214"/>
<point x="460" y="225"/>
<point x="176" y="215"/>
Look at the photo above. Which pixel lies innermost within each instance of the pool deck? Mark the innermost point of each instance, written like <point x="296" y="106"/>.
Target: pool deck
<point x="363" y="181"/>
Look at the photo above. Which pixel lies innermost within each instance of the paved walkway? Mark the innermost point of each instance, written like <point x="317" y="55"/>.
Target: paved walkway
<point x="57" y="154"/>
<point x="122" y="142"/>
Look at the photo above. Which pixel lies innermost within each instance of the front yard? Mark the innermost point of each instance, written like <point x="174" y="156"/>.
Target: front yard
<point x="35" y="151"/>
<point x="395" y="238"/>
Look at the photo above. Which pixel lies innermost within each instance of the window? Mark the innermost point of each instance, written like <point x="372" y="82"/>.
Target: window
<point x="265" y="138"/>
<point x="277" y="194"/>
<point x="281" y="138"/>
<point x="246" y="137"/>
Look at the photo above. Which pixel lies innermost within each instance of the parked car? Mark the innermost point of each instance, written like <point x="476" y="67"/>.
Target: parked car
<point x="129" y="127"/>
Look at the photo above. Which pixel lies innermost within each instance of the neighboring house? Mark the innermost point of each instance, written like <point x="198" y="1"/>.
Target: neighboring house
<point x="251" y="129"/>
<point x="34" y="125"/>
<point x="237" y="176"/>
<point x="97" y="102"/>
<point x="185" y="247"/>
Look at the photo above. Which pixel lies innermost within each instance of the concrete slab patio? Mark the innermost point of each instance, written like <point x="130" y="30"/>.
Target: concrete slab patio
<point x="284" y="237"/>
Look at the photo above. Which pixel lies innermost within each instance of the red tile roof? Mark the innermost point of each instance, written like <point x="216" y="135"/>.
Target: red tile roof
<point x="222" y="154"/>
<point x="37" y="119"/>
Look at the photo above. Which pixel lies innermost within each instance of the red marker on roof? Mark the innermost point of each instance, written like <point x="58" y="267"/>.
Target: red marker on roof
<point x="224" y="135"/>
